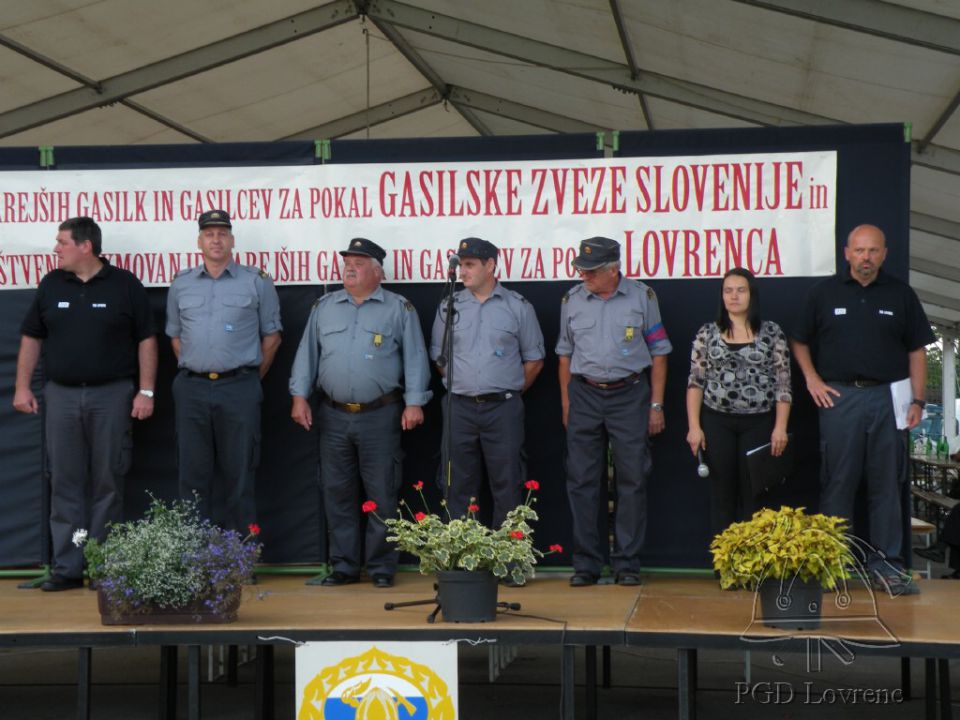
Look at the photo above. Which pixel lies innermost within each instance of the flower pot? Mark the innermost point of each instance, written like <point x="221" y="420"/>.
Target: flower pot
<point x="191" y="614"/>
<point x="467" y="596"/>
<point x="791" y="604"/>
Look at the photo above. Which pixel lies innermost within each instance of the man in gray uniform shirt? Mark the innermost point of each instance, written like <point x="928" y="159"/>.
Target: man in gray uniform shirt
<point x="610" y="333"/>
<point x="223" y="320"/>
<point x="497" y="354"/>
<point x="363" y="350"/>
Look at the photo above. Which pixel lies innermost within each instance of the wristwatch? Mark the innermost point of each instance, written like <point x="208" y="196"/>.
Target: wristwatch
<point x="146" y="393"/>
<point x="919" y="403"/>
<point x="656" y="406"/>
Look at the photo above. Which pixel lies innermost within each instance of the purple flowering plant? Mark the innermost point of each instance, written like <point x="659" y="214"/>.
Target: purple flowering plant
<point x="170" y="558"/>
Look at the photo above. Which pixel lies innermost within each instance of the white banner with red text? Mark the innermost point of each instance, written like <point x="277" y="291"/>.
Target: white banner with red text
<point x="675" y="217"/>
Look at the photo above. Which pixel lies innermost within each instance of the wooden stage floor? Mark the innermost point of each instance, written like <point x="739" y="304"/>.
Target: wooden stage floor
<point x="685" y="614"/>
<point x="662" y="611"/>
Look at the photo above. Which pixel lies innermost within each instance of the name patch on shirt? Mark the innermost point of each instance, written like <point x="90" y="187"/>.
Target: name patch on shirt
<point x="886" y="312"/>
<point x="98" y="305"/>
<point x="63" y="304"/>
<point x="839" y="311"/>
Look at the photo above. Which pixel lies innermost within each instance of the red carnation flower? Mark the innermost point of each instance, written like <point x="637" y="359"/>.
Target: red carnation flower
<point x="418" y="485"/>
<point x="369" y="506"/>
<point x="253" y="529"/>
<point x="420" y="517"/>
<point x="473" y="507"/>
<point x="531" y="485"/>
<point x="556" y="548"/>
<point x="517" y="534"/>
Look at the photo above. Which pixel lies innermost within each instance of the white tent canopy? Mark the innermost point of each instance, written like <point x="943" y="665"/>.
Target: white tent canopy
<point x="79" y="72"/>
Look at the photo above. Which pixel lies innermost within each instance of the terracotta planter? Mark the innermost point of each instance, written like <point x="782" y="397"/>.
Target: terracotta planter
<point x="193" y="614"/>
<point x="467" y="596"/>
<point x="791" y="604"/>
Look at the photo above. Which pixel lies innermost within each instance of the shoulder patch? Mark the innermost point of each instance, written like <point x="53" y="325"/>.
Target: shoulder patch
<point x="407" y="304"/>
<point x="516" y="295"/>
<point x="651" y="295"/>
<point x="180" y="273"/>
<point x="264" y="274"/>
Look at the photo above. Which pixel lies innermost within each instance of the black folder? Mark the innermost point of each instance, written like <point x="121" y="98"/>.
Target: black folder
<point x="766" y="471"/>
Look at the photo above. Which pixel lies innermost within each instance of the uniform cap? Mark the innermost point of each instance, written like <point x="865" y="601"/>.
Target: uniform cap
<point x="477" y="248"/>
<point x="214" y="217"/>
<point x="597" y="251"/>
<point x="362" y="246"/>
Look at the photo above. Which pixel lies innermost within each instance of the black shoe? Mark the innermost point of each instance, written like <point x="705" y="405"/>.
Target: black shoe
<point x="56" y="583"/>
<point x="337" y="578"/>
<point x="631" y="579"/>
<point x="934" y="553"/>
<point x="583" y="579"/>
<point x="894" y="583"/>
<point x="383" y="581"/>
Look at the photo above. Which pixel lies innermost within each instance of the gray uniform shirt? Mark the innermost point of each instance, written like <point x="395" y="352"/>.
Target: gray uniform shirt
<point x="608" y="340"/>
<point x="356" y="353"/>
<point x="220" y="321"/>
<point x="491" y="341"/>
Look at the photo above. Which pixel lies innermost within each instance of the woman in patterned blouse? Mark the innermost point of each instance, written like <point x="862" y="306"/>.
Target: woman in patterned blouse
<point x="738" y="394"/>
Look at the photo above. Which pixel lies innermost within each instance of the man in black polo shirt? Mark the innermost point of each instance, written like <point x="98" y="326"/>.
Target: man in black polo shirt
<point x="867" y="330"/>
<point x="96" y="327"/>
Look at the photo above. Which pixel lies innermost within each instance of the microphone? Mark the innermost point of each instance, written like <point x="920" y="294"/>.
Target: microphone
<point x="703" y="470"/>
<point x="453" y="262"/>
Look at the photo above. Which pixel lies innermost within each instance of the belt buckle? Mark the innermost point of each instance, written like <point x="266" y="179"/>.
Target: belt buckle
<point x="353" y="407"/>
<point x="213" y="376"/>
<point x="860" y="384"/>
<point x="479" y="399"/>
<point x="604" y="386"/>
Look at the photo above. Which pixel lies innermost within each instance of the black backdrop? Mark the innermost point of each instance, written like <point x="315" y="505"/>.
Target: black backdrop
<point x="872" y="186"/>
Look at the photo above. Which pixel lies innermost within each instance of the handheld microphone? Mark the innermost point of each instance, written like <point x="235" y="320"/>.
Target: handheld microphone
<point x="703" y="470"/>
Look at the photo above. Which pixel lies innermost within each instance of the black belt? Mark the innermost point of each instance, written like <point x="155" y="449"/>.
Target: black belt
<point x="613" y="384"/>
<point x="222" y="375"/>
<point x="95" y="383"/>
<point x="857" y="383"/>
<point x="388" y="399"/>
<point x="488" y="397"/>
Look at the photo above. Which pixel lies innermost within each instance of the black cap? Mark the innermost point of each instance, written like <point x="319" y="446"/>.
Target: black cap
<point x="362" y="246"/>
<point x="477" y="248"/>
<point x="214" y="217"/>
<point x="597" y="251"/>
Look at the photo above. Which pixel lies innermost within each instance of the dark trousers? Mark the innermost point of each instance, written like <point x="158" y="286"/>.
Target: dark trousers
<point x="485" y="435"/>
<point x="622" y="416"/>
<point x="89" y="444"/>
<point x="360" y="458"/>
<point x="859" y="442"/>
<point x="729" y="437"/>
<point x="218" y="426"/>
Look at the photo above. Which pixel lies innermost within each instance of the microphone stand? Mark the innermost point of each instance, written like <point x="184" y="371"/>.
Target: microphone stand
<point x="445" y="362"/>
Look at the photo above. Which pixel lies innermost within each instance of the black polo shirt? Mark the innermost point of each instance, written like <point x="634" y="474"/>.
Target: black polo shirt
<point x="90" y="330"/>
<point x="863" y="333"/>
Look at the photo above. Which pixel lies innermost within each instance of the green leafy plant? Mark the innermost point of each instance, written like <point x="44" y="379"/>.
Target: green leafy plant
<point x="783" y="544"/>
<point x="170" y="558"/>
<point x="465" y="543"/>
